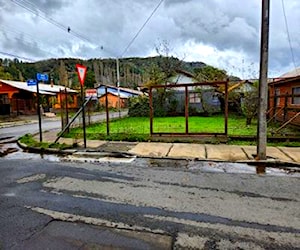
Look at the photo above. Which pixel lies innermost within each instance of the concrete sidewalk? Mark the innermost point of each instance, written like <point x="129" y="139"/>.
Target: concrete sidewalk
<point x="220" y="152"/>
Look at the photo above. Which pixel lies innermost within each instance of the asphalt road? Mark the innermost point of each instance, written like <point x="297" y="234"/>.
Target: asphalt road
<point x="144" y="204"/>
<point x="49" y="124"/>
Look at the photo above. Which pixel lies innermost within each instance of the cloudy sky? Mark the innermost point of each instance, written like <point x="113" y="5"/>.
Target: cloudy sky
<point x="222" y="33"/>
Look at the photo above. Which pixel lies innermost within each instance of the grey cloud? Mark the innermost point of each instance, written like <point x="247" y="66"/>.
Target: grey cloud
<point x="19" y="46"/>
<point x="207" y="23"/>
<point x="47" y="6"/>
<point x="231" y="25"/>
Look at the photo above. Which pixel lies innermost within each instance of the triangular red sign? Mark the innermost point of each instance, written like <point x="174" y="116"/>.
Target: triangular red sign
<point x="81" y="71"/>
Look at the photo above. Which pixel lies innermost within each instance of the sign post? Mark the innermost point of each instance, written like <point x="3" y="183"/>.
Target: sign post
<point x="44" y="78"/>
<point x="81" y="71"/>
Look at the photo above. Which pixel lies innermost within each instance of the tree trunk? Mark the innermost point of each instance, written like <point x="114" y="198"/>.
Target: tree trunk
<point x="248" y="121"/>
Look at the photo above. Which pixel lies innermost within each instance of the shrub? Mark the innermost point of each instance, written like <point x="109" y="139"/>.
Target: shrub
<point x="138" y="106"/>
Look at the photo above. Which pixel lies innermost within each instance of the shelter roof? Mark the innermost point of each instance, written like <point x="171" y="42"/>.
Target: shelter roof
<point x="45" y="89"/>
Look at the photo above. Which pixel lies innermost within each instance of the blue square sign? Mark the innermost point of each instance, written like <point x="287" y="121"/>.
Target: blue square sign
<point x="42" y="77"/>
<point x="31" y="82"/>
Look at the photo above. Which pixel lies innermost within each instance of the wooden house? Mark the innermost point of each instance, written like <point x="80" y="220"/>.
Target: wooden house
<point x="115" y="94"/>
<point x="19" y="98"/>
<point x="201" y="98"/>
<point x="284" y="100"/>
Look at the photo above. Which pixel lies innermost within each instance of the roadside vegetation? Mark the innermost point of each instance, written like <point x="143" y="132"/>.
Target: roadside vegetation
<point x="30" y="141"/>
<point x="138" y="129"/>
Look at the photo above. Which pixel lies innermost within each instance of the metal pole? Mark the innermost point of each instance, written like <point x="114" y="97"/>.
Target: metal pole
<point x="263" y="83"/>
<point x="61" y="110"/>
<point x="226" y="109"/>
<point x="186" y="110"/>
<point x="151" y="110"/>
<point x="118" y="85"/>
<point x="83" y="117"/>
<point x="67" y="110"/>
<point x="107" y="111"/>
<point x="72" y="120"/>
<point x="39" y="110"/>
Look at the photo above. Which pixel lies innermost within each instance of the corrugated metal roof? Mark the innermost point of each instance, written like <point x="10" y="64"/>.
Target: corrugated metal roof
<point x="45" y="89"/>
<point x="292" y="73"/>
<point x="132" y="91"/>
<point x="122" y="95"/>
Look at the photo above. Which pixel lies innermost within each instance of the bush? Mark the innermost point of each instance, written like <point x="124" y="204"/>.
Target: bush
<point x="138" y="106"/>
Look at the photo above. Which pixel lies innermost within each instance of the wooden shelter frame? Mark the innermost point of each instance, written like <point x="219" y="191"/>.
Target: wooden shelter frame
<point x="186" y="109"/>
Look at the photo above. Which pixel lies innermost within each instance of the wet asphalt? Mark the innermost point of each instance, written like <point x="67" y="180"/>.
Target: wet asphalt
<point x="174" y="203"/>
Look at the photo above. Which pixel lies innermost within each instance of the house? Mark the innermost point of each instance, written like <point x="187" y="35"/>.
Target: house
<point x="202" y="99"/>
<point x="284" y="98"/>
<point x="113" y="100"/>
<point x="115" y="94"/>
<point x="19" y="98"/>
<point x="242" y="87"/>
<point x="236" y="93"/>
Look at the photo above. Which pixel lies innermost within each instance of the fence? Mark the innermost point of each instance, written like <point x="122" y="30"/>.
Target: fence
<point x="285" y="108"/>
<point x="185" y="103"/>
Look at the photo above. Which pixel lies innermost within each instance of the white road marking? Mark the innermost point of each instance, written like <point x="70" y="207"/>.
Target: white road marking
<point x="91" y="220"/>
<point x="277" y="237"/>
<point x="32" y="178"/>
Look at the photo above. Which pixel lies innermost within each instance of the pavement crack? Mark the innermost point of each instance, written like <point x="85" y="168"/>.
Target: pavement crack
<point x="170" y="149"/>
<point x="248" y="157"/>
<point x="286" y="154"/>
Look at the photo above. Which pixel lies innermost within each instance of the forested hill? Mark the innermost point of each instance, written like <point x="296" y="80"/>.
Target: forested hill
<point x="133" y="71"/>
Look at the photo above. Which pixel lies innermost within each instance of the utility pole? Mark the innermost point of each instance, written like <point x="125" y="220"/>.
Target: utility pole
<point x="118" y="85"/>
<point x="263" y="83"/>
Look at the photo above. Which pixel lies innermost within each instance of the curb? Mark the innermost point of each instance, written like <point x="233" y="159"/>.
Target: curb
<point x="267" y="163"/>
<point x="88" y="153"/>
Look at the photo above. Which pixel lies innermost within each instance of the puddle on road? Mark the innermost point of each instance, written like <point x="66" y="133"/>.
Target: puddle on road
<point x="243" y="168"/>
<point x="13" y="151"/>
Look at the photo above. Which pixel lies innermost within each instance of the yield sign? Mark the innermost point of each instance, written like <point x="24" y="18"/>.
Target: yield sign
<point x="81" y="71"/>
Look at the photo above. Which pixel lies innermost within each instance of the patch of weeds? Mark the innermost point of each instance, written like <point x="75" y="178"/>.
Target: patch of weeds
<point x="29" y="140"/>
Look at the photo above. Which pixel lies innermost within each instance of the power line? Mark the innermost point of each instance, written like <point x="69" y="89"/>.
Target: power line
<point x="288" y="34"/>
<point x="26" y="37"/>
<point x="28" y="6"/>
<point x="140" y="30"/>
<point x="16" y="56"/>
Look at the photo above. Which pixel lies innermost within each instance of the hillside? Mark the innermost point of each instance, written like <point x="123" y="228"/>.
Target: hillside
<point x="133" y="71"/>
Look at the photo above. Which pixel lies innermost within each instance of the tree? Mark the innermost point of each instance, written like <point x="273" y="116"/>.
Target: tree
<point x="249" y="104"/>
<point x="89" y="79"/>
<point x="4" y="75"/>
<point x="209" y="73"/>
<point x="63" y="74"/>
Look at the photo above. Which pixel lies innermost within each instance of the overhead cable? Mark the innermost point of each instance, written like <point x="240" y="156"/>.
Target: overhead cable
<point x="288" y="34"/>
<point x="142" y="27"/>
<point x="28" y="6"/>
<point x="16" y="56"/>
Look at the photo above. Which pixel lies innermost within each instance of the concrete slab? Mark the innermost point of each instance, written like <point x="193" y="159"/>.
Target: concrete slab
<point x="272" y="152"/>
<point x="68" y="141"/>
<point x="92" y="143"/>
<point x="225" y="152"/>
<point x="153" y="149"/>
<point x="293" y="153"/>
<point x="47" y="136"/>
<point x="184" y="150"/>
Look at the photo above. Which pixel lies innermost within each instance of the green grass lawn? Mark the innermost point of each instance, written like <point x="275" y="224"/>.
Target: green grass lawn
<point x="141" y="126"/>
<point x="138" y="128"/>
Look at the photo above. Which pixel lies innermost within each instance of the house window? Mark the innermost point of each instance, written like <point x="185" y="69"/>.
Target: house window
<point x="4" y="99"/>
<point x="277" y="94"/>
<point x="194" y="98"/>
<point x="296" y="99"/>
